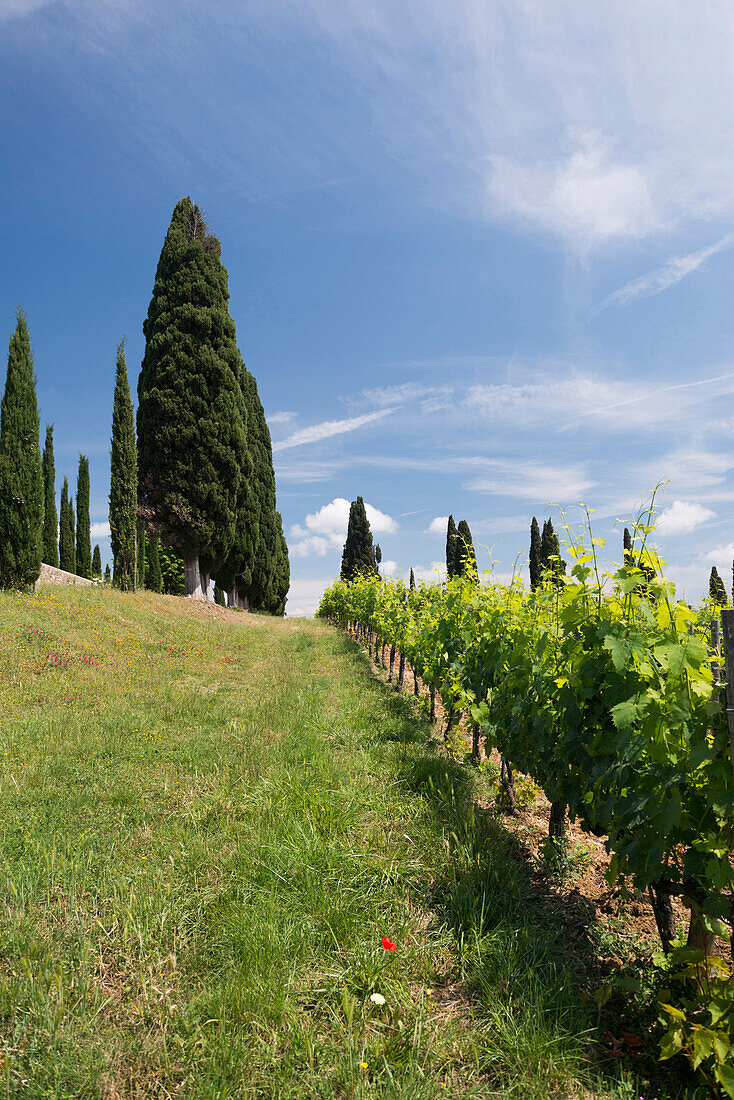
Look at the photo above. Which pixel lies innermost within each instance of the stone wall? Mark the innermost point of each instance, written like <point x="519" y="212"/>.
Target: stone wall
<point x="49" y="575"/>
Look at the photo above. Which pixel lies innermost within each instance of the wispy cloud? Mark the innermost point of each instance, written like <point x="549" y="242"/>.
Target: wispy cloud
<point x="100" y="530"/>
<point x="671" y="273"/>
<point x="328" y="428"/>
<point x="281" y="418"/>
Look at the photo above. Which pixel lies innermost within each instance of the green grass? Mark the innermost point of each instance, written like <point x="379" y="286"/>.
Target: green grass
<point x="205" y="835"/>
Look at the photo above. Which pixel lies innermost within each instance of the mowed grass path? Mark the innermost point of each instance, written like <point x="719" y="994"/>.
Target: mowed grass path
<point x="208" y="824"/>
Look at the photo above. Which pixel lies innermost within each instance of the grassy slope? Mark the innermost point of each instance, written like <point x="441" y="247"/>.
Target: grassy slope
<point x="205" y="836"/>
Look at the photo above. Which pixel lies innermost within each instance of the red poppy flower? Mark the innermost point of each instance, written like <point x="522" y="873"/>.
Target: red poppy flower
<point x="388" y="944"/>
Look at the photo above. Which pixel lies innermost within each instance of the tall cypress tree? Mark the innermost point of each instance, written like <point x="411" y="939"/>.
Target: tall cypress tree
<point x="153" y="576"/>
<point x="552" y="564"/>
<point x="21" y="480"/>
<point x="191" y="415"/>
<point x="107" y="577"/>
<point x="535" y="559"/>
<point x="50" y="516"/>
<point x="627" y="547"/>
<point x="123" y="477"/>
<point x="83" y="528"/>
<point x="464" y="557"/>
<point x="358" y="556"/>
<point x="96" y="562"/>
<point x="412" y="580"/>
<point x="450" y="547"/>
<point x="717" y="592"/>
<point x="67" y="549"/>
<point x="282" y="572"/>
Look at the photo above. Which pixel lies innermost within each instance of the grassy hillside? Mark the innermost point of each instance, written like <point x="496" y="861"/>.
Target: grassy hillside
<point x="209" y="822"/>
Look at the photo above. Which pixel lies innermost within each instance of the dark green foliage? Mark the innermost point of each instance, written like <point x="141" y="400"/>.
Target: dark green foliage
<point x="67" y="549"/>
<point x="123" y="477"/>
<point x="172" y="571"/>
<point x="21" y="479"/>
<point x="358" y="557"/>
<point x="281" y="572"/>
<point x="50" y="546"/>
<point x="464" y="557"/>
<point x="412" y="580"/>
<point x="97" y="563"/>
<point x="378" y="558"/>
<point x="450" y="547"/>
<point x="141" y="555"/>
<point x="551" y="563"/>
<point x="535" y="558"/>
<point x="107" y="577"/>
<point x="627" y="546"/>
<point x="83" y="536"/>
<point x="153" y="575"/>
<point x="717" y="592"/>
<point x="191" y="430"/>
<point x="220" y="596"/>
<point x="255" y="562"/>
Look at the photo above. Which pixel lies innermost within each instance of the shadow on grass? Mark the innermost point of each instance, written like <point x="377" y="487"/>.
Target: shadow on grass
<point x="530" y="958"/>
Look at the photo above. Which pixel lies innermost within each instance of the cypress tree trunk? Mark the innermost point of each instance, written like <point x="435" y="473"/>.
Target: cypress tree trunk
<point x="476" y="743"/>
<point x="392" y="663"/>
<point x="401" y="671"/>
<point x="192" y="578"/>
<point x="432" y="715"/>
<point x="205" y="578"/>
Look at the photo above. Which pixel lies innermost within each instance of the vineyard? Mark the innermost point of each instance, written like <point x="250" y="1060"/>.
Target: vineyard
<point x="605" y="689"/>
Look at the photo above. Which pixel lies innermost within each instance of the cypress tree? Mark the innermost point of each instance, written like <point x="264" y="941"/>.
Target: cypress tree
<point x="153" y="576"/>
<point x="535" y="558"/>
<point x="358" y="556"/>
<point x="464" y="556"/>
<point x="21" y="479"/>
<point x="123" y="477"/>
<point x="450" y="547"/>
<point x="50" y="515"/>
<point x="107" y="577"/>
<point x="412" y="580"/>
<point x="191" y="414"/>
<point x="67" y="550"/>
<point x="219" y="596"/>
<point x="378" y="558"/>
<point x="627" y="547"/>
<point x="552" y="564"/>
<point x="717" y="592"/>
<point x="96" y="563"/>
<point x="282" y="571"/>
<point x="83" y="527"/>
<point x="141" y="555"/>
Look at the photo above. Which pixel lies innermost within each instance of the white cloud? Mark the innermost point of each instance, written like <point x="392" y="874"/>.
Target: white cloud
<point x="326" y="529"/>
<point x="281" y="418"/>
<point x="100" y="530"/>
<point x="720" y="555"/>
<point x="681" y="517"/>
<point x="676" y="269"/>
<point x="329" y="428"/>
<point x="438" y="525"/>
<point x="690" y="471"/>
<point x="431" y="574"/>
<point x="305" y="595"/>
<point x="535" y="481"/>
<point x="588" y="197"/>
<point x="388" y="568"/>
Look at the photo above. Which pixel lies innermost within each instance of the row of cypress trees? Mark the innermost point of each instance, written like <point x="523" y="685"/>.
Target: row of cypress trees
<point x="29" y="525"/>
<point x="460" y="555"/>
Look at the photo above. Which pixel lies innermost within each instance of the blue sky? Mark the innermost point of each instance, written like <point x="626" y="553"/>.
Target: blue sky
<point x="480" y="255"/>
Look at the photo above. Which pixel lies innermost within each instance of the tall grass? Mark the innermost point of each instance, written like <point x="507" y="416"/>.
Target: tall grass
<point x="208" y="825"/>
